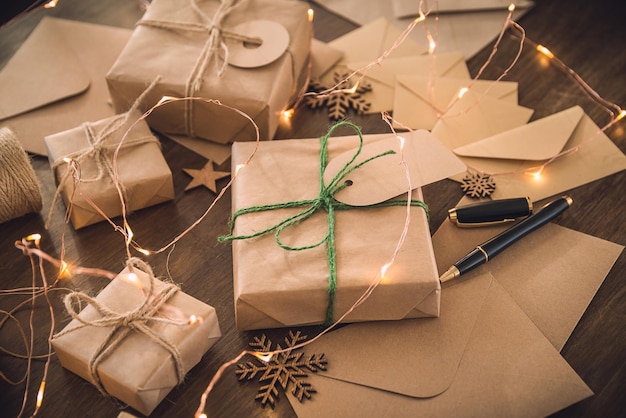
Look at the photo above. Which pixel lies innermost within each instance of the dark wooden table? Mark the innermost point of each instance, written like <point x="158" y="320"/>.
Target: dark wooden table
<point x="587" y="36"/>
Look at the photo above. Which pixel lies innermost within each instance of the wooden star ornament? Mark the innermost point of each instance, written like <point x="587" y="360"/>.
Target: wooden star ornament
<point x="206" y="177"/>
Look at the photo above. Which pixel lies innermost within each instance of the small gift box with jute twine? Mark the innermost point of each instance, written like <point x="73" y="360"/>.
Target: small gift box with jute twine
<point x="113" y="166"/>
<point x="137" y="339"/>
<point x="250" y="55"/>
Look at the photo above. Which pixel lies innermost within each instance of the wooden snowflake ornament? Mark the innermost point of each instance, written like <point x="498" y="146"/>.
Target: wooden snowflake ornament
<point x="478" y="185"/>
<point x="341" y="99"/>
<point x="289" y="366"/>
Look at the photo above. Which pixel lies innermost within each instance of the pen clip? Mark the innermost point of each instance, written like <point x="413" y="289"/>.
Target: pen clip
<point x="481" y="224"/>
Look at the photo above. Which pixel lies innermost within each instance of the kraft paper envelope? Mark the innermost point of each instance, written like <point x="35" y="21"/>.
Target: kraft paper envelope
<point x="371" y="40"/>
<point x="466" y="32"/>
<point x="475" y="117"/>
<point x="56" y="79"/>
<point x="323" y="57"/>
<point x="405" y="8"/>
<point x="494" y="349"/>
<point x="482" y="357"/>
<point x="419" y="100"/>
<point x="552" y="273"/>
<point x="529" y="146"/>
<point x="383" y="77"/>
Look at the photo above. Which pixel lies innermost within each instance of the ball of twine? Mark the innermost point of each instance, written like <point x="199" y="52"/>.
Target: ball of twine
<point x="19" y="188"/>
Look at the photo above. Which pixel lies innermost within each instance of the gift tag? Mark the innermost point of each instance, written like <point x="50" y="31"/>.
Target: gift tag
<point x="384" y="178"/>
<point x="274" y="42"/>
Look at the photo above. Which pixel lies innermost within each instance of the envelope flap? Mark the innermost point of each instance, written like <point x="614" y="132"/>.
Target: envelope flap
<point x="433" y="347"/>
<point x="449" y="64"/>
<point x="369" y="41"/>
<point x="384" y="178"/>
<point x="45" y="69"/>
<point x="538" y="140"/>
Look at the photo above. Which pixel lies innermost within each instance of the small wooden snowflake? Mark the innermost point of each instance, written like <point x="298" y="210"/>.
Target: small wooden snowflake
<point x="281" y="369"/>
<point x="478" y="185"/>
<point x="341" y="99"/>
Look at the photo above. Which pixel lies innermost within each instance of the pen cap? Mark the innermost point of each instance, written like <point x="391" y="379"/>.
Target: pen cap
<point x="491" y="212"/>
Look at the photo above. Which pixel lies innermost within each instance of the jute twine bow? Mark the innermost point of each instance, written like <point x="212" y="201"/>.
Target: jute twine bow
<point x="211" y="49"/>
<point x="122" y="323"/>
<point x="19" y="187"/>
<point x="99" y="149"/>
<point x="324" y="201"/>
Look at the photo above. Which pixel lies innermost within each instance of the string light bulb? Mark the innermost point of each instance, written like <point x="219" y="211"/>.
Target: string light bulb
<point x="239" y="167"/>
<point x="264" y="357"/>
<point x="64" y="270"/>
<point x="310" y="13"/>
<point x="287" y="114"/>
<point x="545" y="51"/>
<point x="511" y="7"/>
<point x="620" y="116"/>
<point x="51" y="4"/>
<point x="42" y="387"/>
<point x="432" y="45"/>
<point x="462" y="92"/>
<point x="420" y="18"/>
<point x="165" y="99"/>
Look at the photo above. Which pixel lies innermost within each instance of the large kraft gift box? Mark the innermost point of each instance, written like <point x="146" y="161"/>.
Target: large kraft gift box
<point x="170" y="41"/>
<point x="143" y="173"/>
<point x="275" y="287"/>
<point x="134" y="365"/>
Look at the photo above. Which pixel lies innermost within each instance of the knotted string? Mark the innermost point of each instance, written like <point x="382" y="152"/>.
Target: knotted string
<point x="98" y="149"/>
<point x="324" y="201"/>
<point x="122" y="323"/>
<point x="214" y="48"/>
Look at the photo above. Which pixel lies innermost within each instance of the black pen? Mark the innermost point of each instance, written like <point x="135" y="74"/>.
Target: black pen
<point x="489" y="249"/>
<point x="491" y="212"/>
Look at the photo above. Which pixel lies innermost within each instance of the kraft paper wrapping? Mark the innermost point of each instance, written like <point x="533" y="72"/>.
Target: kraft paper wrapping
<point x="138" y="371"/>
<point x="261" y="92"/>
<point x="274" y="287"/>
<point x="142" y="170"/>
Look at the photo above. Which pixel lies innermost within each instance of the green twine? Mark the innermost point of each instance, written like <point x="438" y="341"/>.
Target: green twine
<point x="325" y="201"/>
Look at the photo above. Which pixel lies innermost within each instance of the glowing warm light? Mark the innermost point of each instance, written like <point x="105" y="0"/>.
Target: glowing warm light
<point x="287" y="114"/>
<point x="535" y="174"/>
<point x="402" y="141"/>
<point x="51" y="4"/>
<point x="352" y="89"/>
<point x="40" y="393"/>
<point x="64" y="270"/>
<point x="621" y="115"/>
<point x="193" y="319"/>
<point x="545" y="51"/>
<point x="511" y="7"/>
<point x="383" y="269"/>
<point x="310" y="14"/>
<point x="239" y="167"/>
<point x="420" y="18"/>
<point x="67" y="160"/>
<point x="263" y="357"/>
<point x="34" y="237"/>
<point x="143" y="251"/>
<point x="202" y="416"/>
<point x="165" y="99"/>
<point x="462" y="92"/>
<point x="431" y="43"/>
<point x="129" y="233"/>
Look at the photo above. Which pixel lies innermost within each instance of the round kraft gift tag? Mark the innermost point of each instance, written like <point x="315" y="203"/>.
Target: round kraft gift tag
<point x="274" y="42"/>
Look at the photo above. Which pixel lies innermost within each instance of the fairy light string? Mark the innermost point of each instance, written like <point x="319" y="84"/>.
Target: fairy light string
<point x="67" y="269"/>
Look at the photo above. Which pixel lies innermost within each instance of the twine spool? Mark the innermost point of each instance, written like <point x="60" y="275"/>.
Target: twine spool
<point x="19" y="187"/>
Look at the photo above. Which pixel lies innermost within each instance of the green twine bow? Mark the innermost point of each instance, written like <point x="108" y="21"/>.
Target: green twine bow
<point x="325" y="201"/>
